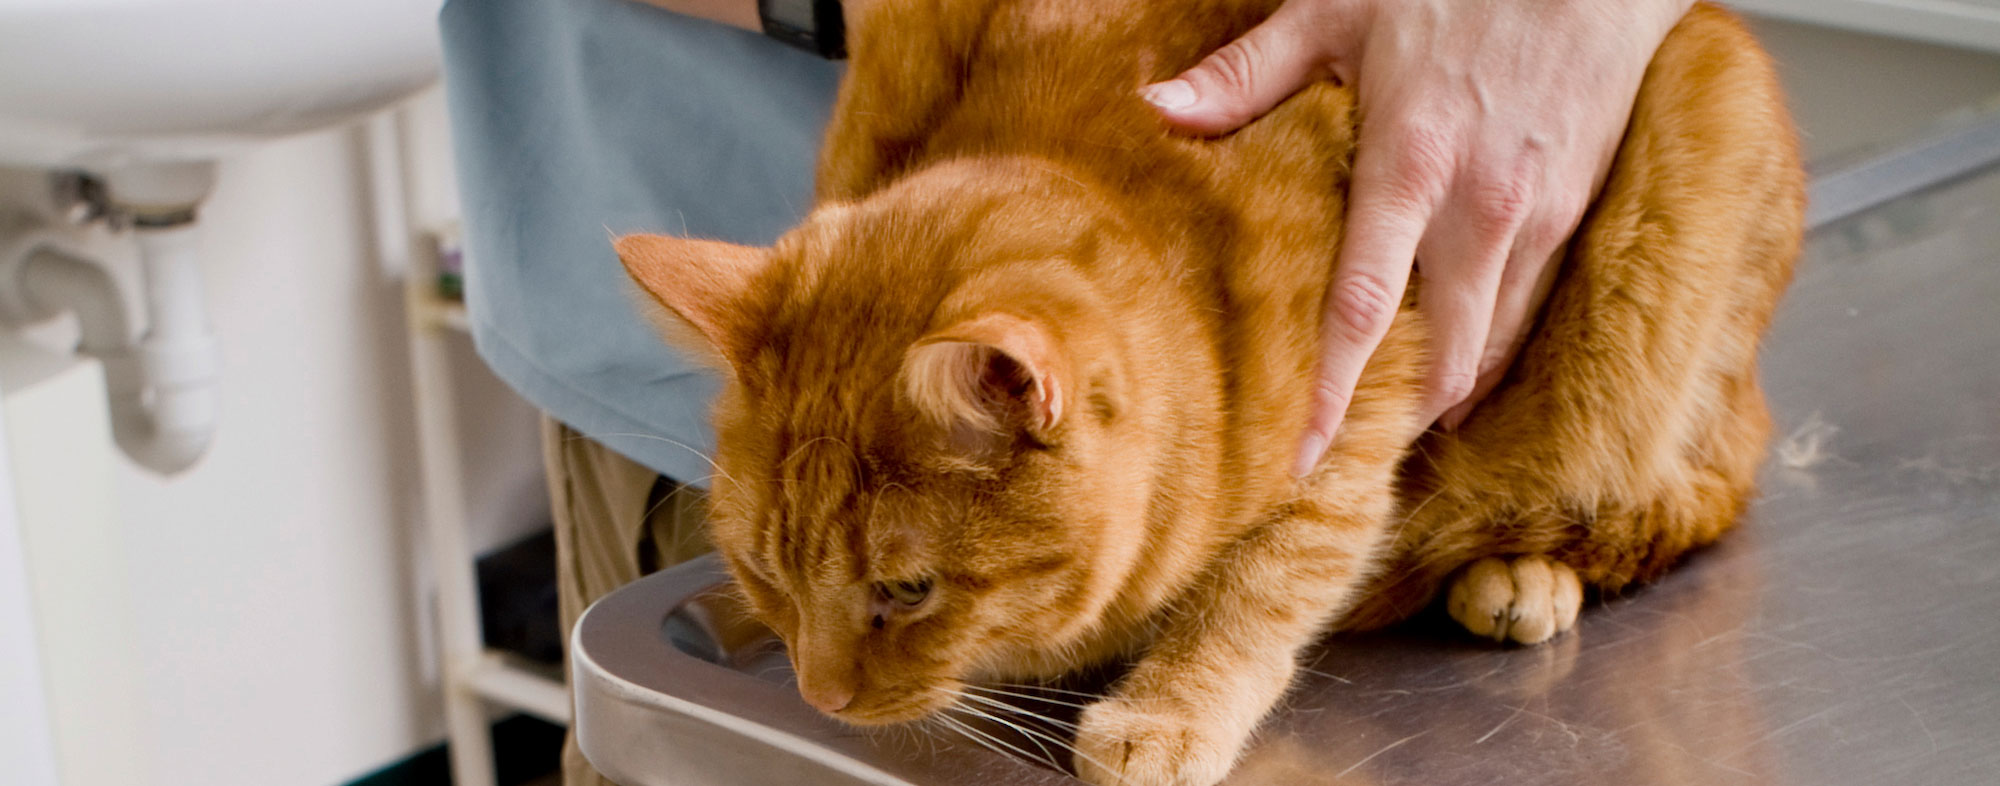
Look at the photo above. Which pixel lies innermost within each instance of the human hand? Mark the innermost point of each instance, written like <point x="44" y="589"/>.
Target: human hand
<point x="1488" y="127"/>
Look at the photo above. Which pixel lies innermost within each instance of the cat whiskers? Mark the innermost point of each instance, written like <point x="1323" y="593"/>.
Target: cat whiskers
<point x="939" y="715"/>
<point x="673" y="442"/>
<point x="993" y="743"/>
<point x="1031" y="735"/>
<point x="680" y="544"/>
<point x="868" y="523"/>
<point x="1015" y="710"/>
<point x="911" y="737"/>
<point x="1035" y="735"/>
<point x="1062" y="730"/>
<point x="998" y="687"/>
<point x="766" y="672"/>
<point x="816" y="440"/>
<point x="977" y="737"/>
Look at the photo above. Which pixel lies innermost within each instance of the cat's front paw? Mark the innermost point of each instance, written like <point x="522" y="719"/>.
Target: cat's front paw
<point x="1526" y="599"/>
<point x="1132" y="742"/>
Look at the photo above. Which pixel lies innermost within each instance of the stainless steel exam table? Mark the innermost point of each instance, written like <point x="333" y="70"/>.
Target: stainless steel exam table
<point x="1847" y="633"/>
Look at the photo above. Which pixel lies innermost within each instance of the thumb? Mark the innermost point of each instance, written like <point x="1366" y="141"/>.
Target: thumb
<point x="1241" y="81"/>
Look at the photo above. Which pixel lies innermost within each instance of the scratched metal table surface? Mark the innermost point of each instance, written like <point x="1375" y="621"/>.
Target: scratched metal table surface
<point x="1847" y="633"/>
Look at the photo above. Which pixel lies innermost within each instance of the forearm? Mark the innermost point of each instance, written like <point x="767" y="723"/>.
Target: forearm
<point x="736" y="13"/>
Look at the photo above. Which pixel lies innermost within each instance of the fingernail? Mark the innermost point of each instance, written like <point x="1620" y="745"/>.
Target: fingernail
<point x="1171" y="94"/>
<point x="1309" y="454"/>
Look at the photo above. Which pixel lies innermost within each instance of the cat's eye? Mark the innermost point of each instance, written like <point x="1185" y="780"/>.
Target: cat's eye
<point x="908" y="593"/>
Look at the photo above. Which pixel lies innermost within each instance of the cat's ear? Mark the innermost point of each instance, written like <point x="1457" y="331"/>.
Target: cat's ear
<point x="989" y="374"/>
<point x="701" y="285"/>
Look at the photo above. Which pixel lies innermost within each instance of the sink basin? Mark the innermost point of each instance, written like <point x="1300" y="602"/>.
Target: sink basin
<point x="99" y="84"/>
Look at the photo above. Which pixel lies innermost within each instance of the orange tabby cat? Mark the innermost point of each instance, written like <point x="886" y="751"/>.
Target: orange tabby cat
<point x="1021" y="393"/>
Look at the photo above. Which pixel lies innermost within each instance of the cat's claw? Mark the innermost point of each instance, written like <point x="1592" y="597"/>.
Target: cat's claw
<point x="1119" y="743"/>
<point x="1527" y="600"/>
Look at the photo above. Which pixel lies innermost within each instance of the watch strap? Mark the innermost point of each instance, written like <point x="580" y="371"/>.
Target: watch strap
<point x="824" y="34"/>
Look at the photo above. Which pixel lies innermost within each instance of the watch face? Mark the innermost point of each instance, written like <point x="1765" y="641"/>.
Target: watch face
<point x="796" y="14"/>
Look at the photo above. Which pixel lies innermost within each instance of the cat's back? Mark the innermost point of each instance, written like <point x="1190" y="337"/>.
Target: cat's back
<point x="1053" y="78"/>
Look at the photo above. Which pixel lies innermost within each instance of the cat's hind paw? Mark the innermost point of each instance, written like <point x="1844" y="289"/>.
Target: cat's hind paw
<point x="1527" y="600"/>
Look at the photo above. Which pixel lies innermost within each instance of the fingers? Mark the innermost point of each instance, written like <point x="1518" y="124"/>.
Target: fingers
<point x="1462" y="270"/>
<point x="1523" y="288"/>
<point x="1245" y="79"/>
<point x="1530" y="272"/>
<point x="1385" y="222"/>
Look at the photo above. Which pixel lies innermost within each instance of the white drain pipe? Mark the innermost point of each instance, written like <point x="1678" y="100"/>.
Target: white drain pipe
<point x="160" y="386"/>
<point x="52" y="275"/>
<point x="163" y="393"/>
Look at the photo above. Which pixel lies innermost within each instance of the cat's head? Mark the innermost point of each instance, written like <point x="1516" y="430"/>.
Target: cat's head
<point x="930" y="464"/>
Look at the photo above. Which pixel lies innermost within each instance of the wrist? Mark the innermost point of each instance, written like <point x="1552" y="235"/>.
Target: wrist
<point x="1665" y="14"/>
<point x="735" y="13"/>
<point x="1640" y="23"/>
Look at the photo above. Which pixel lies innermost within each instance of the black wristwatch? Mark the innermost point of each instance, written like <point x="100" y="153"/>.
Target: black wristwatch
<point x="813" y="25"/>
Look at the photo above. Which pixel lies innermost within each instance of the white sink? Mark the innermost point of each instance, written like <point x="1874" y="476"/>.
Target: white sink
<point x="101" y="84"/>
<point x="145" y="95"/>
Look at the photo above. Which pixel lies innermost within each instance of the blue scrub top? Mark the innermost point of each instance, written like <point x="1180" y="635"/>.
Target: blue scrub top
<point x="578" y="120"/>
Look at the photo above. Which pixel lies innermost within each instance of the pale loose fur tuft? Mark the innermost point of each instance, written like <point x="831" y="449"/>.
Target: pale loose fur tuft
<point x="1022" y="394"/>
<point x="945" y="381"/>
<point x="972" y="375"/>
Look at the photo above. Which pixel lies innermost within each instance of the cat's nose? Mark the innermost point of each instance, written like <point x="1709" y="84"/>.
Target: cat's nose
<point x="827" y="698"/>
<point x="829" y="669"/>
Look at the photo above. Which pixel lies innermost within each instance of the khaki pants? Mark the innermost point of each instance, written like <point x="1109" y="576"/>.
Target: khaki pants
<point x="615" y="521"/>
